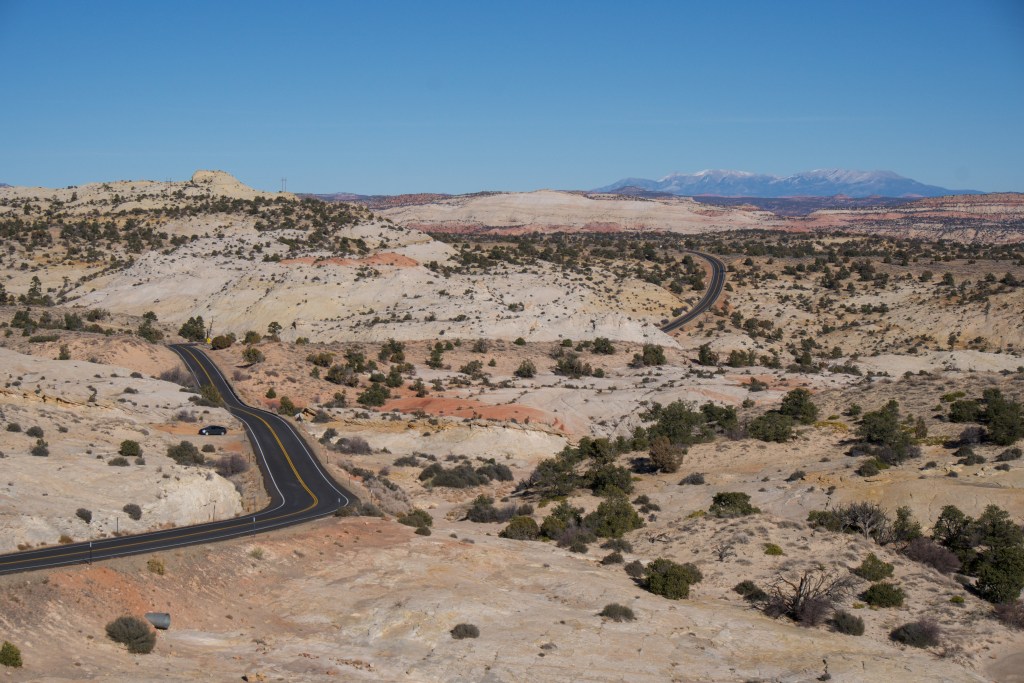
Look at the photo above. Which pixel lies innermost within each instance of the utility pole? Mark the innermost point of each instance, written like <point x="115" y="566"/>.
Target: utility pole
<point x="284" y="184"/>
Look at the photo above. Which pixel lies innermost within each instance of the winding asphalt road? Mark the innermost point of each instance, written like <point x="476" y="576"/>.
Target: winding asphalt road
<point x="714" y="290"/>
<point x="300" y="490"/>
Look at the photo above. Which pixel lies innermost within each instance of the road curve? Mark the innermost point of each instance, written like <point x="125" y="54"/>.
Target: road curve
<point x="299" y="488"/>
<point x="714" y="290"/>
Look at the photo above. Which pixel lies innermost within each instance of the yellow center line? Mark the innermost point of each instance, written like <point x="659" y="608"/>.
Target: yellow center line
<point x="226" y="524"/>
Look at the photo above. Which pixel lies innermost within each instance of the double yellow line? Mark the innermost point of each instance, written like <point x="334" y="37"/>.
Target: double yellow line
<point x="56" y="553"/>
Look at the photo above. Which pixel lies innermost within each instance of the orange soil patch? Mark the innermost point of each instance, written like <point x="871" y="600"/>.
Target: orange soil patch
<point x="460" y="407"/>
<point x="386" y="258"/>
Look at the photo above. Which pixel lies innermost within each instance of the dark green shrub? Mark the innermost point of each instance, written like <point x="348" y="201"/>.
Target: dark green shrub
<point x="612" y="518"/>
<point x="526" y="370"/>
<point x="731" y="504"/>
<point x="422" y="531"/>
<point x="84" y="515"/>
<point x="868" y="468"/>
<point x="118" y="461"/>
<point x="286" y="406"/>
<point x="416" y="518"/>
<point x="618" y="544"/>
<point x="208" y="448"/>
<point x="222" y="341"/>
<point x="40" y="450"/>
<point x="772" y="427"/>
<point x="634" y="569"/>
<point x="797" y="404"/>
<point x="130" y="449"/>
<point x="133" y="511"/>
<point x="194" y="329"/>
<point x="10" y="655"/>
<point x="465" y="631"/>
<point x="185" y="453"/>
<point x="883" y="595"/>
<point x="252" y="355"/>
<point x="924" y="633"/>
<point x="375" y="395"/>
<point x="521" y="529"/>
<point x="849" y="624"/>
<point x="873" y="569"/>
<point x="617" y="612"/>
<point x="1009" y="455"/>
<point x="670" y="579"/>
<point x="13" y="427"/>
<point x="132" y="632"/>
<point x="613" y="558"/>
<point x="693" y="479"/>
<point x="34" y="432"/>
<point x="750" y="591"/>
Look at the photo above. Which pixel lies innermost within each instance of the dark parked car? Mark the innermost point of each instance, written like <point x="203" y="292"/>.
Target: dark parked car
<point x="213" y="430"/>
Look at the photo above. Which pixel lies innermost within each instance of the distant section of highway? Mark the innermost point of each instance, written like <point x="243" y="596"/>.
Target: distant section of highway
<point x="714" y="290"/>
<point x="300" y="489"/>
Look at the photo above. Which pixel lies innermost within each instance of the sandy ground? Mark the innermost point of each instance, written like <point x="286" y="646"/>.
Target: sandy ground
<point x="368" y="600"/>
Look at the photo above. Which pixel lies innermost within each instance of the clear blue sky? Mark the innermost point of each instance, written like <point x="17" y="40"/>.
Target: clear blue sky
<point x="389" y="97"/>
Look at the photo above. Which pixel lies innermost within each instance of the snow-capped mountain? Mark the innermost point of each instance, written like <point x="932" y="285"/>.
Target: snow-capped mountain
<point x="817" y="183"/>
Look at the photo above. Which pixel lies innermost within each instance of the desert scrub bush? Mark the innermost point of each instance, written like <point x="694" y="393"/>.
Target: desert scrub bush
<point x="10" y="655"/>
<point x="422" y="531"/>
<point x="617" y="612"/>
<point x="873" y="569"/>
<point x="808" y="598"/>
<point x="771" y="427"/>
<point x="232" y="464"/>
<point x="846" y="623"/>
<point x="618" y="544"/>
<point x="41" y="449"/>
<point x="130" y="449"/>
<point x="612" y="518"/>
<point x="34" y="432"/>
<point x="1010" y="613"/>
<point x="461" y="631"/>
<point x="693" y="479"/>
<point x="252" y="355"/>
<point x="797" y="475"/>
<point x="772" y="549"/>
<point x="750" y="591"/>
<point x="13" y="427"/>
<point x="133" y="511"/>
<point x="417" y="518"/>
<point x="666" y="457"/>
<point x="353" y="445"/>
<point x="185" y="453"/>
<point x="156" y="566"/>
<point x="118" y="461"/>
<point x="521" y="528"/>
<point x="731" y="504"/>
<point x="923" y="633"/>
<point x="286" y="406"/>
<point x="208" y="448"/>
<point x="374" y="395"/>
<point x="883" y="595"/>
<point x="84" y="515"/>
<point x="406" y="461"/>
<point x="614" y="557"/>
<point x="670" y="579"/>
<point x="1009" y="455"/>
<point x="133" y="632"/>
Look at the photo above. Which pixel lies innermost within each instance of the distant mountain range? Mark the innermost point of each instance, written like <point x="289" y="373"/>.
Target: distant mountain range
<point x="818" y="183"/>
